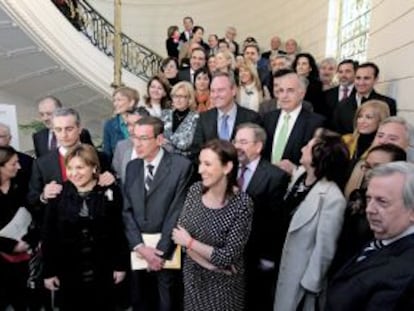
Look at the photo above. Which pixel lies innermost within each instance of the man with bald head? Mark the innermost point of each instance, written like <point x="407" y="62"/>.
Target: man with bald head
<point x="290" y="127"/>
<point x="44" y="140"/>
<point x="275" y="44"/>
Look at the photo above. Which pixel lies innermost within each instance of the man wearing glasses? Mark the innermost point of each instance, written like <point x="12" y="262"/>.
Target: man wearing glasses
<point x="154" y="193"/>
<point x="265" y="184"/>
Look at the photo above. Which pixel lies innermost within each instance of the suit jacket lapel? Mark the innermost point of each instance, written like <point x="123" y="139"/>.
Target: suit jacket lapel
<point x="211" y="124"/>
<point x="137" y="190"/>
<point x="256" y="179"/>
<point x="296" y="134"/>
<point x="313" y="202"/>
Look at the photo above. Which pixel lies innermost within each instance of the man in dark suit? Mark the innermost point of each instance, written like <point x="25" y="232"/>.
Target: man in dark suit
<point x="49" y="170"/>
<point x="44" y="140"/>
<point x="188" y="29"/>
<point x="291" y="127"/>
<point x="266" y="184"/>
<point x="221" y="121"/>
<point x="365" y="78"/>
<point x="154" y="191"/>
<point x="346" y="76"/>
<point x="275" y="44"/>
<point x="381" y="276"/>
<point x="251" y="52"/>
<point x="197" y="61"/>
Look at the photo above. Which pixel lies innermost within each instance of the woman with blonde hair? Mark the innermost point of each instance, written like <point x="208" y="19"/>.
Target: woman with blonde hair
<point x="180" y="121"/>
<point x="366" y="122"/>
<point x="225" y="61"/>
<point x="250" y="92"/>
<point x="115" y="129"/>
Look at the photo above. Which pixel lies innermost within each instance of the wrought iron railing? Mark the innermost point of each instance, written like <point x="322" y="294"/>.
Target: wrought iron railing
<point x="136" y="58"/>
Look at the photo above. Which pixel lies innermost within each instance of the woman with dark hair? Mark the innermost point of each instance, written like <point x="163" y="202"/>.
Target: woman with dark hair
<point x="172" y="42"/>
<point x="14" y="247"/>
<point x="315" y="206"/>
<point x="356" y="232"/>
<point x="169" y="69"/>
<point x="158" y="96"/>
<point x="202" y="80"/>
<point x="214" y="227"/>
<point x="84" y="249"/>
<point x="305" y="66"/>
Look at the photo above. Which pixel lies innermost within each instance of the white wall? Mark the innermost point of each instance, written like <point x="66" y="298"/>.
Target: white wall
<point x="391" y="46"/>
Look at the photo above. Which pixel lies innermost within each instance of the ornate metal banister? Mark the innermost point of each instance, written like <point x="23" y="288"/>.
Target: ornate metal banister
<point x="136" y="58"/>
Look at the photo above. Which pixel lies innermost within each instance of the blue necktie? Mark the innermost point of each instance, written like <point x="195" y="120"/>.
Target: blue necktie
<point x="224" y="128"/>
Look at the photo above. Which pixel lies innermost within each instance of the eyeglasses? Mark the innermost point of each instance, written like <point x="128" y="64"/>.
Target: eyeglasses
<point x="242" y="142"/>
<point x="179" y="97"/>
<point x="143" y="138"/>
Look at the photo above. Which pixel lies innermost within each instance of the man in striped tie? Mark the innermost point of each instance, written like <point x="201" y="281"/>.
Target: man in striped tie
<point x="381" y="277"/>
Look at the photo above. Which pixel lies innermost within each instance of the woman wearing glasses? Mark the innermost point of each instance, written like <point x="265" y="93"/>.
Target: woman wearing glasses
<point x="180" y="122"/>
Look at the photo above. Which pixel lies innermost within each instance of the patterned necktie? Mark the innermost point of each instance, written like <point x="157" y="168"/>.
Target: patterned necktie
<point x="224" y="128"/>
<point x="344" y="93"/>
<point x="240" y="180"/>
<point x="372" y="247"/>
<point x="150" y="176"/>
<point x="280" y="142"/>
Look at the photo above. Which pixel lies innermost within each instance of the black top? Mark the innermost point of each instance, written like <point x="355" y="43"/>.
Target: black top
<point x="178" y="117"/>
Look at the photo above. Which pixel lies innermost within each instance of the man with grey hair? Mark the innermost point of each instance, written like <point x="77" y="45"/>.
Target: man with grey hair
<point x="381" y="276"/>
<point x="275" y="44"/>
<point x="265" y="184"/>
<point x="44" y="140"/>
<point x="290" y="127"/>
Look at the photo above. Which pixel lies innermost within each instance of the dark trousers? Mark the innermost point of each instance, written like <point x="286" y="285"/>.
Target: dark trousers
<point x="13" y="285"/>
<point x="156" y="291"/>
<point x="261" y="287"/>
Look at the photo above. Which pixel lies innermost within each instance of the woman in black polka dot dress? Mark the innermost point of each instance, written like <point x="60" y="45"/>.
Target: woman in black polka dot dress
<point x="214" y="227"/>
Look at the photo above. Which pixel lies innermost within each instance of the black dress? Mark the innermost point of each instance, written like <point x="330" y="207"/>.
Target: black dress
<point x="83" y="245"/>
<point x="226" y="230"/>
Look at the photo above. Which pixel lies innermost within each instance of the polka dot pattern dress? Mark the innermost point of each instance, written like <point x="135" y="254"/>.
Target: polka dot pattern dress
<point x="225" y="229"/>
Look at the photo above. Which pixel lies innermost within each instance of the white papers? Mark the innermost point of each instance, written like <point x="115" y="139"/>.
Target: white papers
<point x="18" y="226"/>
<point x="138" y="263"/>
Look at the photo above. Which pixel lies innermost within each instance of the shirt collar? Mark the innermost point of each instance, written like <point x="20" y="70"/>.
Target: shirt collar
<point x="252" y="165"/>
<point x="156" y="161"/>
<point x="293" y="114"/>
<point x="231" y="113"/>
<point x="408" y="231"/>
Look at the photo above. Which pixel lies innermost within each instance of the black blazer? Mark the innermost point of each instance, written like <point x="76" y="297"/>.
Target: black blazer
<point x="172" y="48"/>
<point x="62" y="233"/>
<point x="41" y="141"/>
<point x="382" y="282"/>
<point x="343" y="116"/>
<point x="207" y="126"/>
<point x="156" y="211"/>
<point x="266" y="188"/>
<point x="303" y="130"/>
